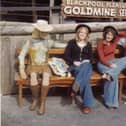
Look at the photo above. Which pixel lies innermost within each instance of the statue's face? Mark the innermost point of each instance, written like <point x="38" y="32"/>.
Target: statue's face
<point x="38" y="34"/>
<point x="43" y="35"/>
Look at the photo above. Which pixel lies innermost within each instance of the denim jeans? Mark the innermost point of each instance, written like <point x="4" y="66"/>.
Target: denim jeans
<point x="111" y="87"/>
<point x="82" y="75"/>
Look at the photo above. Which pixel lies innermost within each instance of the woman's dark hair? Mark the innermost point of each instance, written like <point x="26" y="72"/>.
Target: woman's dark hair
<point x="110" y="29"/>
<point x="83" y="25"/>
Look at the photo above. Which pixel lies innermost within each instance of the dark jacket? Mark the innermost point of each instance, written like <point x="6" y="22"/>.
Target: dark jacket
<point x="73" y="52"/>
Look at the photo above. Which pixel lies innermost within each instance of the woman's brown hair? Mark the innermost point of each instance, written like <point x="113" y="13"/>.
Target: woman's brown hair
<point x="110" y="29"/>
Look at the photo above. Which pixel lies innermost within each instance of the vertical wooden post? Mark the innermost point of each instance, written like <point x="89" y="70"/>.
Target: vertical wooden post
<point x="61" y="36"/>
<point x="20" y="95"/>
<point x="112" y="19"/>
<point x="61" y="19"/>
<point x="34" y="13"/>
<point x="121" y="1"/>
<point x="51" y="4"/>
<point x="0" y="66"/>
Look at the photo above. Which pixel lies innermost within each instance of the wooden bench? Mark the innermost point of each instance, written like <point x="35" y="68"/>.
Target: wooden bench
<point x="56" y="81"/>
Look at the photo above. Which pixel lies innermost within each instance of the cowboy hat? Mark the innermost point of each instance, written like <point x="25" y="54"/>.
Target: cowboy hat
<point x="109" y="28"/>
<point x="43" y="26"/>
<point x="83" y="25"/>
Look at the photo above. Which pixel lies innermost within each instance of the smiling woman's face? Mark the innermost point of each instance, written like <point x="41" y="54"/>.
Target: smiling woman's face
<point x="82" y="33"/>
<point x="109" y="37"/>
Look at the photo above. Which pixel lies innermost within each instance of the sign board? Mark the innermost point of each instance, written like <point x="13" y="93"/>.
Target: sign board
<point x="97" y="9"/>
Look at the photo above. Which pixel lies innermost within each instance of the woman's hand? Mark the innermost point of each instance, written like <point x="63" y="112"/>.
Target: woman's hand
<point x="76" y="63"/>
<point x="113" y="65"/>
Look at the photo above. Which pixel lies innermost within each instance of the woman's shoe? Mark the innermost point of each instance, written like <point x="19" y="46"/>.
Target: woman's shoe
<point x="86" y="110"/>
<point x="110" y="107"/>
<point x="107" y="77"/>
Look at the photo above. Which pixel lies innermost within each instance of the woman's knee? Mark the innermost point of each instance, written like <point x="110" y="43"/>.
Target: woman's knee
<point x="87" y="66"/>
<point x="102" y="68"/>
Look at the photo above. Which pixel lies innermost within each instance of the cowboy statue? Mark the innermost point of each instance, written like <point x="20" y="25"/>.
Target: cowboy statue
<point x="37" y="46"/>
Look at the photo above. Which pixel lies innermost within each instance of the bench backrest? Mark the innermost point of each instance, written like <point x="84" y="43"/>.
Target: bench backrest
<point x="59" y="52"/>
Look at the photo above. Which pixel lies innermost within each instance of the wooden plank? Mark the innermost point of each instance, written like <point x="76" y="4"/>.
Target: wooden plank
<point x="51" y="4"/>
<point x="55" y="51"/>
<point x="40" y="8"/>
<point x="34" y="12"/>
<point x="5" y="68"/>
<point x="7" y="28"/>
<point x="7" y="52"/>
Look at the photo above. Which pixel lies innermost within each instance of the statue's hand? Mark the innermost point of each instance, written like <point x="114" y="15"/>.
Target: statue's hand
<point x="22" y="72"/>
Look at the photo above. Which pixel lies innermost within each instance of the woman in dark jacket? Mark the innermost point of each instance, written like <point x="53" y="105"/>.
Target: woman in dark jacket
<point x="78" y="55"/>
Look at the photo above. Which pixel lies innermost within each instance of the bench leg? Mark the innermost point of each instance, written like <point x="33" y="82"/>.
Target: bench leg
<point x="120" y="90"/>
<point x="20" y="95"/>
<point x="44" y="92"/>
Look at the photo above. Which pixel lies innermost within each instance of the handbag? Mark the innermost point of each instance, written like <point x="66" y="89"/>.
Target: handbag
<point x="58" y="66"/>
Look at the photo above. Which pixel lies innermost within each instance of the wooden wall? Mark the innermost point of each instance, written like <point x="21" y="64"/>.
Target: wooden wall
<point x="8" y="45"/>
